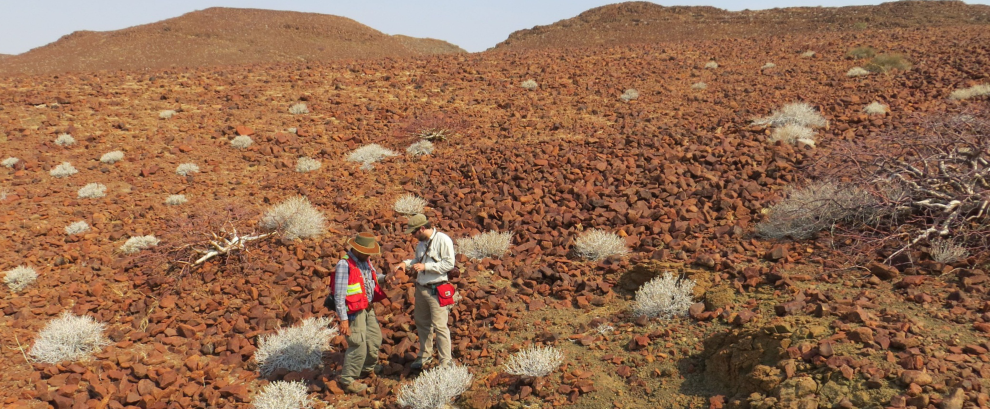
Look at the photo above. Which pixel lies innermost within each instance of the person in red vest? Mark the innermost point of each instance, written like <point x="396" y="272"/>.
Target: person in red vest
<point x="356" y="287"/>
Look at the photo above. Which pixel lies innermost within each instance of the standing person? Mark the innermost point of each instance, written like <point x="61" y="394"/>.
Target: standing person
<point x="355" y="288"/>
<point x="434" y="258"/>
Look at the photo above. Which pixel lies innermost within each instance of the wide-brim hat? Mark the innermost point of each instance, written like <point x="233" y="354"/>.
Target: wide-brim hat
<point x="365" y="243"/>
<point x="415" y="222"/>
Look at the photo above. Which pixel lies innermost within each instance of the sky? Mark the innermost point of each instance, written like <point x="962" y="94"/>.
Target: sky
<point x="474" y="25"/>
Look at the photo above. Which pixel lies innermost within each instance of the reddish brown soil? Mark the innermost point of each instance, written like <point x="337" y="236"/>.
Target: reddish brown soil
<point x="221" y="36"/>
<point x="642" y="22"/>
<point x="679" y="173"/>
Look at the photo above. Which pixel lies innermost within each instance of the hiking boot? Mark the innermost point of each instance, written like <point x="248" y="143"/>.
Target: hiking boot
<point x="376" y="370"/>
<point x="418" y="364"/>
<point x="355" y="387"/>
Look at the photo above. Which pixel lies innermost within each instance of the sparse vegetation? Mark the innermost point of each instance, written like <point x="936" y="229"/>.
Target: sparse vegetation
<point x="798" y="113"/>
<point x="295" y="348"/>
<point x="971" y="92"/>
<point x="435" y="388"/>
<point x="76" y="228"/>
<point x="294" y="218"/>
<point x="241" y="142"/>
<point x="888" y="62"/>
<point x="665" y="297"/>
<point x="857" y="72"/>
<point x="534" y="361"/>
<point x="811" y="209"/>
<point x="489" y="244"/>
<point x="711" y="65"/>
<point x="409" y="204"/>
<point x="65" y="140"/>
<point x="808" y="54"/>
<point x="307" y="164"/>
<point x="947" y="251"/>
<point x="699" y="85"/>
<point x="9" y="162"/>
<point x="420" y="148"/>
<point x="792" y="134"/>
<point x="529" y="85"/>
<point x="629" y="95"/>
<point x="176" y="200"/>
<point x="138" y="243"/>
<point x="65" y="169"/>
<point x="299" y="109"/>
<point x="876" y="108"/>
<point x="92" y="191"/>
<point x="69" y="338"/>
<point x="768" y="66"/>
<point x="186" y="169"/>
<point x="862" y="52"/>
<point x="598" y="245"/>
<point x="283" y="395"/>
<point x="112" y="157"/>
<point x="369" y="154"/>
<point x="166" y="114"/>
<point x="19" y="278"/>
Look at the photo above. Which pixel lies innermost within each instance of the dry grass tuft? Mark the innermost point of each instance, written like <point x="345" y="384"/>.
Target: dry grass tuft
<point x="598" y="245"/>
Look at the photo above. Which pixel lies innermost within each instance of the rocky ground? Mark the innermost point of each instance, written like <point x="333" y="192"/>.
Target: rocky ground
<point x="678" y="172"/>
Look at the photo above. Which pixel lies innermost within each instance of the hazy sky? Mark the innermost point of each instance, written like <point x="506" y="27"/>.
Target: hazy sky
<point x="471" y="24"/>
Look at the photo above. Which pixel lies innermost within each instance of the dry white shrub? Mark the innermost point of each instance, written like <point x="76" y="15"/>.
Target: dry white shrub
<point x="9" y="162"/>
<point x="409" y="204"/>
<point x="175" y="200"/>
<point x="792" y="134"/>
<point x="699" y="85"/>
<point x="19" y="278"/>
<point x="435" y="388"/>
<point x="604" y="328"/>
<point x="295" y="348"/>
<point x="65" y="140"/>
<point x="241" y="142"/>
<point x="629" y="95"/>
<point x="92" y="191"/>
<point x="487" y="244"/>
<point x="665" y="297"/>
<point x="299" y="109"/>
<point x="799" y="113"/>
<point x="598" y="244"/>
<point x="711" y="65"/>
<point x="77" y="227"/>
<point x="971" y="92"/>
<point x="857" y="72"/>
<point x="813" y="208"/>
<point x="292" y="130"/>
<point x="186" y="169"/>
<point x="307" y="164"/>
<point x="369" y="154"/>
<point x="63" y="170"/>
<point x="294" y="218"/>
<point x="529" y="84"/>
<point x="420" y="148"/>
<point x="112" y="157"/>
<point x="534" y="361"/>
<point x="947" y="252"/>
<point x="69" y="338"/>
<point x="808" y="54"/>
<point x="875" y="108"/>
<point x="138" y="243"/>
<point x="283" y="395"/>
<point x="166" y="114"/>
<point x="768" y="65"/>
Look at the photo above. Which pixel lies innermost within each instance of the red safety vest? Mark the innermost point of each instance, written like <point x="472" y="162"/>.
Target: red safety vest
<point x="356" y="299"/>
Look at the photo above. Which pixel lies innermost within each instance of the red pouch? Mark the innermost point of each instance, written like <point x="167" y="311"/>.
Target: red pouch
<point x="445" y="294"/>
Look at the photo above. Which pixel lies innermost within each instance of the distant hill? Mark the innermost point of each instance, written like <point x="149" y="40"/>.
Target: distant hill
<point x="220" y="36"/>
<point x="640" y="22"/>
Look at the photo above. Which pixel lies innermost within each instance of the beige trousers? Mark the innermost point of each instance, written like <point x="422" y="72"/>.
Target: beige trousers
<point x="362" y="345"/>
<point x="431" y="323"/>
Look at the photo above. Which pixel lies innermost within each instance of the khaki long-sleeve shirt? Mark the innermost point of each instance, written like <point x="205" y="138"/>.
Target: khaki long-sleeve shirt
<point x="437" y="254"/>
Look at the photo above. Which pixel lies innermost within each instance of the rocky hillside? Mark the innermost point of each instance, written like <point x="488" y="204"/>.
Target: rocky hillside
<point x="643" y="22"/>
<point x="220" y="36"/>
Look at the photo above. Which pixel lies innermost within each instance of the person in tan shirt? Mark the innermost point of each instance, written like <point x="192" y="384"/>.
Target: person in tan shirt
<point x="434" y="258"/>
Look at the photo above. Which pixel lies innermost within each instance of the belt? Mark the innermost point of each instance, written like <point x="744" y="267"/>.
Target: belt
<point x="432" y="285"/>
